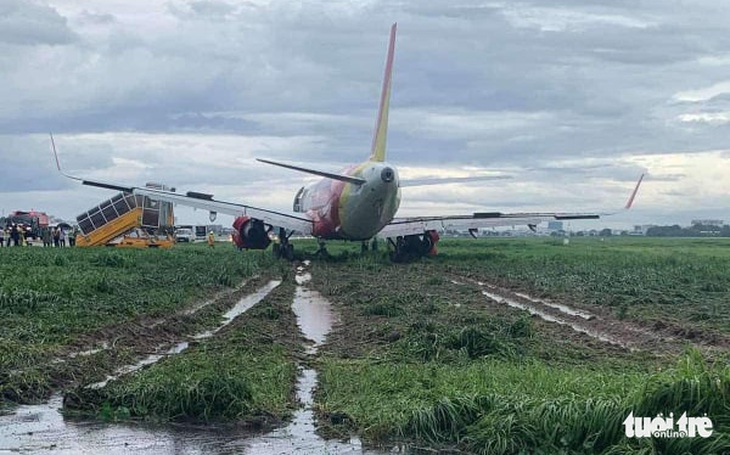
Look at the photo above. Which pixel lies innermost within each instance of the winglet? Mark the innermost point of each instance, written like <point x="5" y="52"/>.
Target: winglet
<point x="58" y="161"/>
<point x="108" y="186"/>
<point x="630" y="202"/>
<point x="381" y="126"/>
<point x="55" y="153"/>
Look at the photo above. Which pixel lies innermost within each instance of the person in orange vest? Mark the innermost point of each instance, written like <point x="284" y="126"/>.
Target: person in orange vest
<point x="211" y="239"/>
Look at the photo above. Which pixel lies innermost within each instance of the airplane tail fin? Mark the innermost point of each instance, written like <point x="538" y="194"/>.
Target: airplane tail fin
<point x="381" y="126"/>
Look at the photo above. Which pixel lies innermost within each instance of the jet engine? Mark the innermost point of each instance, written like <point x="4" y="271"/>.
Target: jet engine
<point x="410" y="247"/>
<point x="251" y="233"/>
<point x="432" y="238"/>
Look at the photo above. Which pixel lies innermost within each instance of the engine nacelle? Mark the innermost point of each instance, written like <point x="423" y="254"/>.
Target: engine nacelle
<point x="434" y="238"/>
<point x="250" y="233"/>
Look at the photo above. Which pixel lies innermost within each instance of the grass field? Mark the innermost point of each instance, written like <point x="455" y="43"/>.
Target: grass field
<point x="421" y="354"/>
<point x="244" y="374"/>
<point x="680" y="282"/>
<point x="54" y="302"/>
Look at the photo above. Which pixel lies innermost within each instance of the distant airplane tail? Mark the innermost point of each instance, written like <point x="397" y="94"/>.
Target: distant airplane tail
<point x="381" y="125"/>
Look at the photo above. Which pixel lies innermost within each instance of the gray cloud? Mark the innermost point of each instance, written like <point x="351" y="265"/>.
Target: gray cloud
<point x="556" y="91"/>
<point x="31" y="23"/>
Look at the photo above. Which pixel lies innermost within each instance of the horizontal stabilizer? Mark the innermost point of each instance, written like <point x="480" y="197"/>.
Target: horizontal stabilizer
<point x="329" y="175"/>
<point x="447" y="180"/>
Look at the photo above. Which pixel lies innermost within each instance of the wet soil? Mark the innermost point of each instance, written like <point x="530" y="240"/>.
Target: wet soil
<point x="315" y="319"/>
<point x="91" y="357"/>
<point x="41" y="428"/>
<point x="598" y="323"/>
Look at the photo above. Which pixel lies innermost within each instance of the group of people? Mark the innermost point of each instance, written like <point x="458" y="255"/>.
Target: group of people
<point x="51" y="236"/>
<point x="14" y="235"/>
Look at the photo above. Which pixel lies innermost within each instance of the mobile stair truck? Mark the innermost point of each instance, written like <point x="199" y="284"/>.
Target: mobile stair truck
<point x="127" y="220"/>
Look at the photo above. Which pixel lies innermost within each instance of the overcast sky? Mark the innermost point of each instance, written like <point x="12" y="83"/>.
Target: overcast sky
<point x="575" y="99"/>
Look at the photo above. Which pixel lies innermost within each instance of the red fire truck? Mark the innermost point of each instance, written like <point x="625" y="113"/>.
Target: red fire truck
<point x="32" y="223"/>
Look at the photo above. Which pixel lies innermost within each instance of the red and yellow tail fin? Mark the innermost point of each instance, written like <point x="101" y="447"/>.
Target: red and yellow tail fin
<point x="381" y="126"/>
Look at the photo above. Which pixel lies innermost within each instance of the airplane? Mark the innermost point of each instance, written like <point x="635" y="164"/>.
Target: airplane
<point x="358" y="203"/>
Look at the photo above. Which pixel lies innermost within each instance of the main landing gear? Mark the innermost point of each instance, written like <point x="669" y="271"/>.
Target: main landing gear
<point x="283" y="249"/>
<point x="365" y="245"/>
<point x="322" y="250"/>
<point x="409" y="247"/>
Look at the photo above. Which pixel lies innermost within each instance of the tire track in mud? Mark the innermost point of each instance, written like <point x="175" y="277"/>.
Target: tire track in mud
<point x="116" y="348"/>
<point x="601" y="327"/>
<point x="315" y="318"/>
<point x="41" y="428"/>
<point x="102" y="339"/>
<point x="243" y="305"/>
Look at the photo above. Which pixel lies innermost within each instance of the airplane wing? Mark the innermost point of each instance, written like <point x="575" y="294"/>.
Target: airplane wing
<point x="419" y="225"/>
<point x="289" y="220"/>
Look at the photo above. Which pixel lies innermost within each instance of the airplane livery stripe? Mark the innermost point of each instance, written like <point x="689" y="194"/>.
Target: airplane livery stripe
<point x="345" y="195"/>
<point x="381" y="126"/>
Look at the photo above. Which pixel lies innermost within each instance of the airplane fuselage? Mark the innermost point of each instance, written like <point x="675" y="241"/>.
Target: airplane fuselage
<point x="341" y="210"/>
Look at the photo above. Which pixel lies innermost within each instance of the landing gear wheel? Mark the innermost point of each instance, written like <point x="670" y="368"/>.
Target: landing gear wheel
<point x="288" y="252"/>
<point x="322" y="251"/>
<point x="283" y="249"/>
<point x="399" y="250"/>
<point x="426" y="244"/>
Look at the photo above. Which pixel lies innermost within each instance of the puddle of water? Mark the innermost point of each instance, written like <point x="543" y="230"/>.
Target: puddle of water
<point x="303" y="278"/>
<point x="103" y="347"/>
<point x="149" y="360"/>
<point x="315" y="319"/>
<point x="247" y="302"/>
<point x="200" y="305"/>
<point x="300" y="436"/>
<point x="41" y="429"/>
<point x="557" y="306"/>
<point x="550" y="318"/>
<point x="314" y="316"/>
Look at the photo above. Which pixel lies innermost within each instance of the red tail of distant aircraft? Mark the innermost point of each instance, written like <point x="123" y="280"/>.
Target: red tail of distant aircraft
<point x="358" y="203"/>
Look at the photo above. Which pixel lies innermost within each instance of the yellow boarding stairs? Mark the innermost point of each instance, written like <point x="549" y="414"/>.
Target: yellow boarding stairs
<point x="127" y="220"/>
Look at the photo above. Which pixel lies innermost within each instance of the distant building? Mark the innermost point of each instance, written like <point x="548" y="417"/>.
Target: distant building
<point x="641" y="229"/>
<point x="717" y="223"/>
<point x="555" y="226"/>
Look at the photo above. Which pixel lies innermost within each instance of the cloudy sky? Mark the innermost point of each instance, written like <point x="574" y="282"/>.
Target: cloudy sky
<point x="575" y="99"/>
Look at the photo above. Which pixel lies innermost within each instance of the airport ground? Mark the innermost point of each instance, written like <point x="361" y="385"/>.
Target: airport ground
<point x="493" y="346"/>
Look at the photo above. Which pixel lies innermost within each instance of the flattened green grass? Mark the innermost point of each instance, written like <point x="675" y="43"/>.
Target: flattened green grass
<point x="244" y="374"/>
<point x="414" y="313"/>
<point x="425" y="361"/>
<point x="500" y="407"/>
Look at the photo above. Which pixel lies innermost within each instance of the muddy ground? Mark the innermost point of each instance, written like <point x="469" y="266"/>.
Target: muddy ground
<point x="330" y="316"/>
<point x="97" y="354"/>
